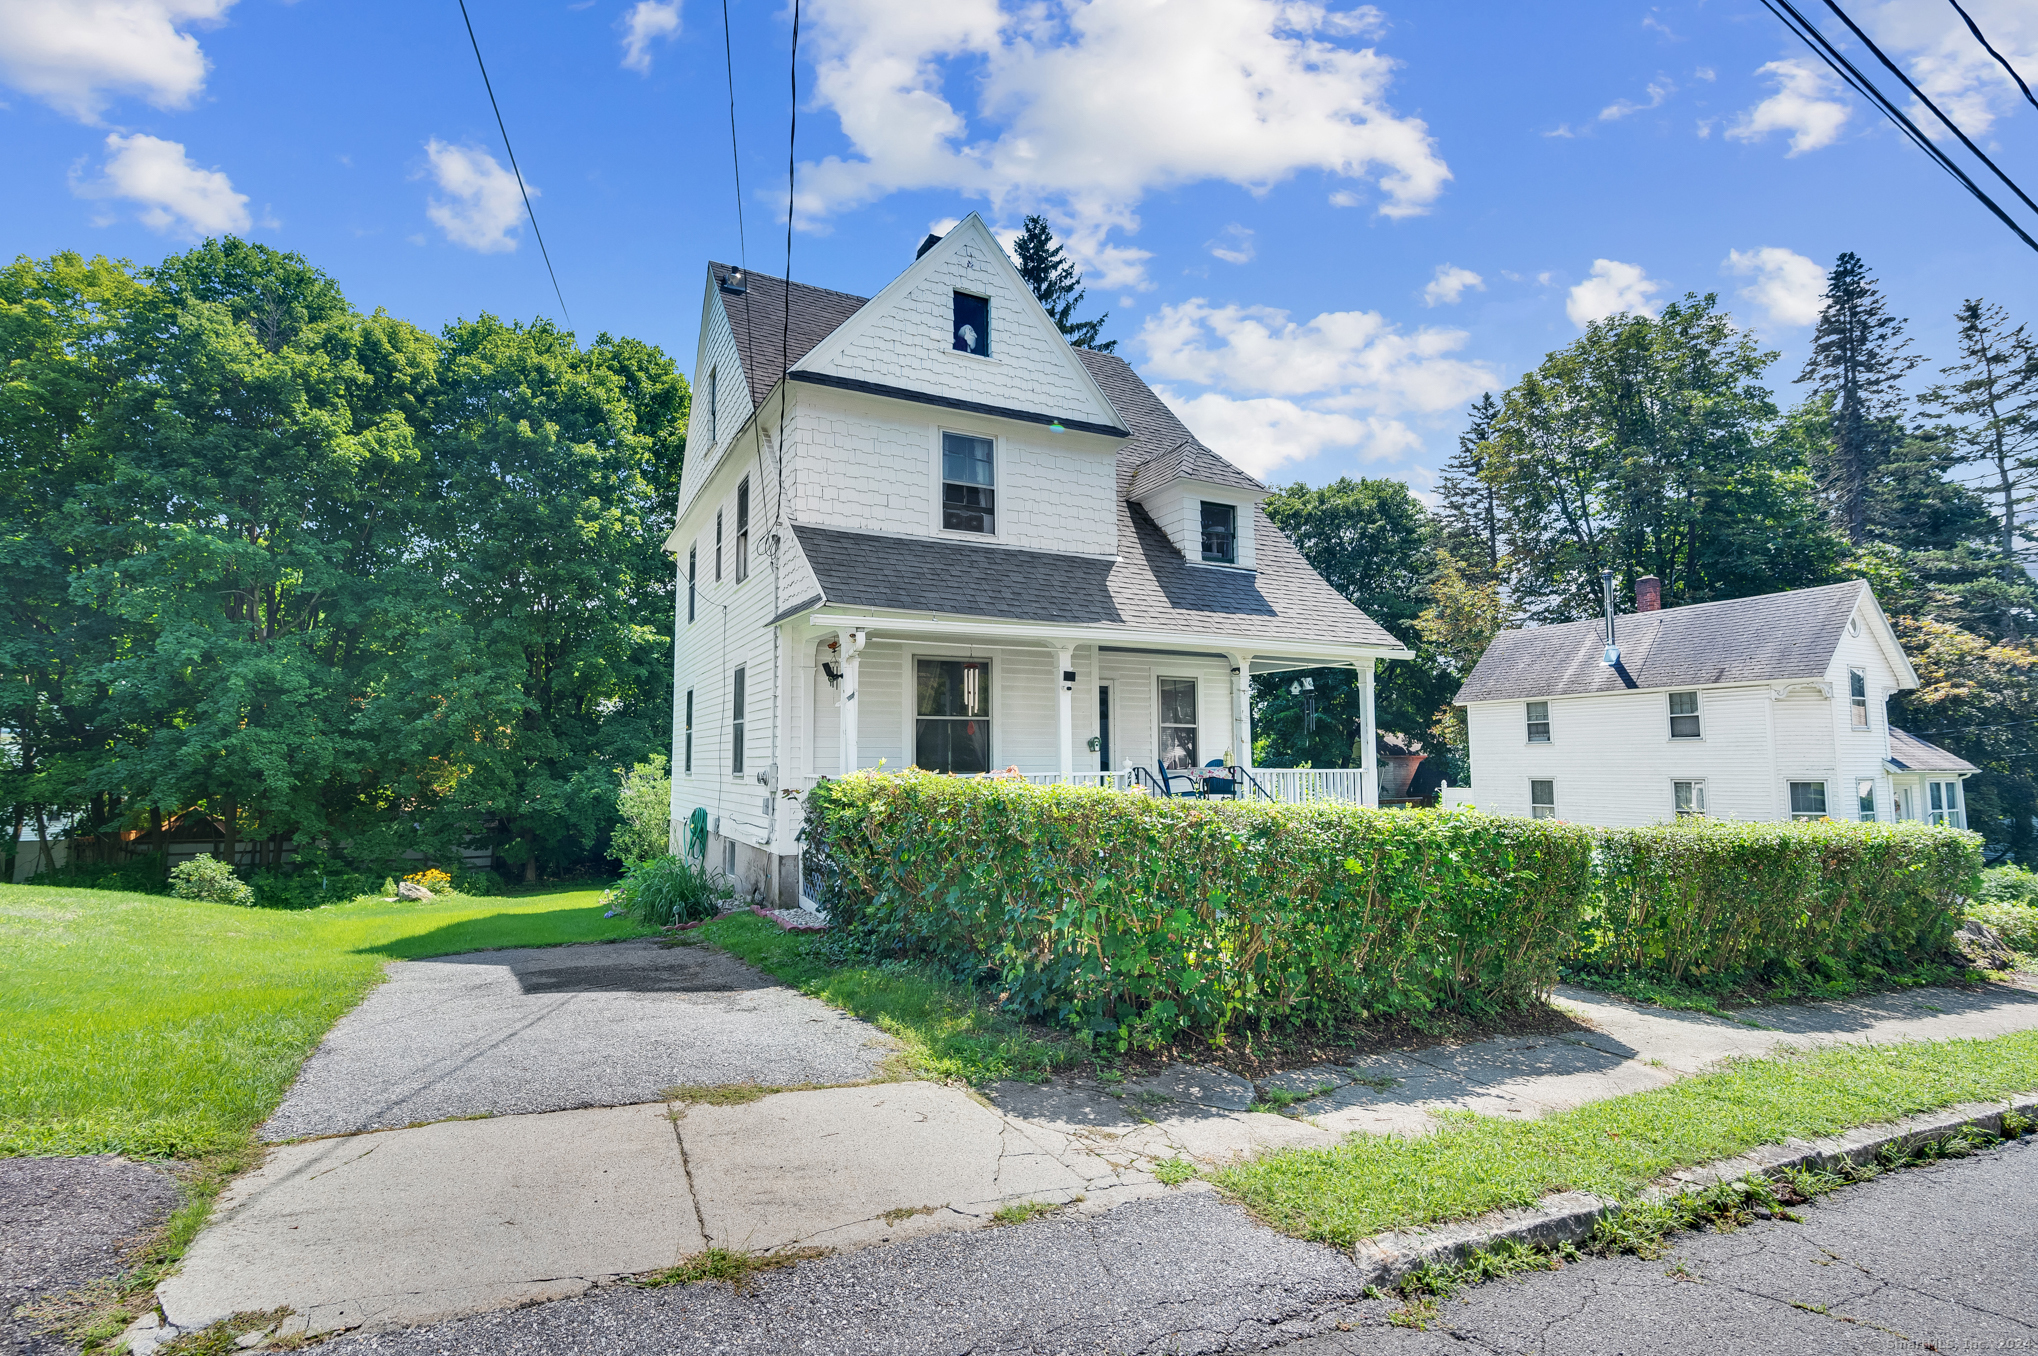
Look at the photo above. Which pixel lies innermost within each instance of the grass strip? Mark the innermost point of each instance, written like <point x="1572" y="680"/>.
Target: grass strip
<point x="1472" y="1164"/>
<point x="168" y="1028"/>
<point x="949" y="1031"/>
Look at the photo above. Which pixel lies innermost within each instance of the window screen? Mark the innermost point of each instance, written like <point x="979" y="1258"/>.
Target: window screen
<point x="952" y="708"/>
<point x="1684" y="715"/>
<point x="1542" y="799"/>
<point x="1538" y="722"/>
<point x="968" y="484"/>
<point x="1178" y="722"/>
<point x="1807" y="800"/>
<point x="1857" y="695"/>
<point x="973" y="324"/>
<point x="1220" y="533"/>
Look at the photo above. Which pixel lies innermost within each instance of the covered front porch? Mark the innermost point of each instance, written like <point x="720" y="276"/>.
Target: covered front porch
<point x="1096" y="706"/>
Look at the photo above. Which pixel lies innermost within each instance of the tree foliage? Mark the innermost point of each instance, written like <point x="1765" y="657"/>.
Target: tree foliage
<point x="1056" y="283"/>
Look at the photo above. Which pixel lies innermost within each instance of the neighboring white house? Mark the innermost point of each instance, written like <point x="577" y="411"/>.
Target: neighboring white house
<point x="1756" y="708"/>
<point x="923" y="529"/>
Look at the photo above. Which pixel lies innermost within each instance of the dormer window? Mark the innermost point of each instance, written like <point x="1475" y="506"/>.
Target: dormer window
<point x="973" y="324"/>
<point x="1220" y="533"/>
<point x="968" y="483"/>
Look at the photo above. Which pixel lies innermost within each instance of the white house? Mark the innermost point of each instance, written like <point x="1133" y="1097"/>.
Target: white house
<point x="1757" y="708"/>
<point x="923" y="529"/>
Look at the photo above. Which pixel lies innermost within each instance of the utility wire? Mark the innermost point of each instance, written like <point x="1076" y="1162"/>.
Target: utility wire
<point x="1833" y="57"/>
<point x="1975" y="29"/>
<point x="513" y="165"/>
<point x="735" y="160"/>
<point x="1922" y="98"/>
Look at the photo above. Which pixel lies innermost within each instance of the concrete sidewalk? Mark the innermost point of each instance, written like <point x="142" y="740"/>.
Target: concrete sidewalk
<point x="416" y="1225"/>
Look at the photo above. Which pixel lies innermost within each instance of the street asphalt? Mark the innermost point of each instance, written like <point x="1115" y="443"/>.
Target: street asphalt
<point x="64" y="1223"/>
<point x="1936" y="1258"/>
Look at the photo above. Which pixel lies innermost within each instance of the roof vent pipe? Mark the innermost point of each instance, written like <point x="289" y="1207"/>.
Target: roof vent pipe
<point x="1612" y="655"/>
<point x="1648" y="594"/>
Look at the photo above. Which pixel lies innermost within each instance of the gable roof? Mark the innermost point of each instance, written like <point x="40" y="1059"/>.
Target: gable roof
<point x="1190" y="460"/>
<point x="1773" y="637"/>
<point x="1908" y="753"/>
<point x="758" y="319"/>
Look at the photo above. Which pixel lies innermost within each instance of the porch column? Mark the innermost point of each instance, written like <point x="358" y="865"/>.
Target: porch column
<point x="1369" y="738"/>
<point x="1064" y="704"/>
<point x="852" y="645"/>
<point x="1241" y="709"/>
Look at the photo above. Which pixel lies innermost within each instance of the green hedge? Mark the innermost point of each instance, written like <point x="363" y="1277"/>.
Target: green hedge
<point x="1722" y="901"/>
<point x="1136" y="918"/>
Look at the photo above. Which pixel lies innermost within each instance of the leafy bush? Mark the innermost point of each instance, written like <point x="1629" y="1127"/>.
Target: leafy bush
<point x="1136" y="918"/>
<point x="667" y="890"/>
<point x="208" y="878"/>
<point x="142" y="875"/>
<point x="2008" y="885"/>
<point x="644" y="811"/>
<point x="2016" y="924"/>
<point x="1718" y="901"/>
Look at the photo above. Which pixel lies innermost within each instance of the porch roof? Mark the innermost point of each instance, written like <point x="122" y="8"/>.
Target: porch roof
<point x="1908" y="753"/>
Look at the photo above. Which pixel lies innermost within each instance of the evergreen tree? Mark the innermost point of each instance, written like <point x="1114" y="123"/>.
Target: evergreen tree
<point x="1468" y="505"/>
<point x="1994" y="392"/>
<point x="1858" y="359"/>
<point x="1056" y="283"/>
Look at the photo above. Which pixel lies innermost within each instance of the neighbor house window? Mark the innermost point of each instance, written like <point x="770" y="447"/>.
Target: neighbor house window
<point x="1857" y="698"/>
<point x="1542" y="799"/>
<point x="1864" y="799"/>
<point x="968" y="484"/>
<point x="692" y="561"/>
<point x="736" y="723"/>
<point x="1807" y="800"/>
<point x="1220" y="533"/>
<point x="1684" y="715"/>
<point x="1178" y="722"/>
<point x="687" y="767"/>
<point x="743" y="530"/>
<point x="952" y="710"/>
<point x="718" y="546"/>
<point x="1943" y="798"/>
<point x="713" y="423"/>
<point x="973" y="324"/>
<point x="1538" y="722"/>
<point x="1689" y="799"/>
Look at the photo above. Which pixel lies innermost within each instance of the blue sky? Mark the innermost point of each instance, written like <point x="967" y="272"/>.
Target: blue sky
<point x="1319" y="230"/>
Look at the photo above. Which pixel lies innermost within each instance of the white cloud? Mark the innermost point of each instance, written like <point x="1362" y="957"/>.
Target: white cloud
<point x="646" y="22"/>
<point x="1808" y="104"/>
<point x="1612" y="288"/>
<point x="1234" y="244"/>
<point x="1788" y="287"/>
<point x="482" y="205"/>
<point x="1085" y="108"/>
<point x="75" y="55"/>
<point x="173" y="193"/>
<point x="1449" y="285"/>
<point x="1285" y="391"/>
<point x="1949" y="65"/>
<point x="1660" y="89"/>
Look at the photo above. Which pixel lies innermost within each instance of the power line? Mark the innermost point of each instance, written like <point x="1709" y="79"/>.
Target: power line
<point x="1821" y="46"/>
<point x="735" y="160"/>
<point x="1975" y="29"/>
<point x="1922" y="98"/>
<point x="546" y="254"/>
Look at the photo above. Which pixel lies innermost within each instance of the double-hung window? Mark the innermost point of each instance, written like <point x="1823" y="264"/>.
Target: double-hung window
<point x="1689" y="799"/>
<point x="1864" y="799"/>
<point x="743" y="530"/>
<point x="968" y="484"/>
<point x="718" y="546"/>
<point x="952" y="715"/>
<point x="692" y="563"/>
<point x="1684" y="715"/>
<point x="1807" y="800"/>
<point x="736" y="723"/>
<point x="1178" y="722"/>
<point x="1220" y="533"/>
<point x="687" y="766"/>
<point x="1538" y="722"/>
<point x="1943" y="798"/>
<point x="1542" y="799"/>
<point x="1857" y="698"/>
<point x="972" y="324"/>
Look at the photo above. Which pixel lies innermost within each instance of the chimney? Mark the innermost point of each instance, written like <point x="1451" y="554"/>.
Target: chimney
<point x="929" y="243"/>
<point x="1648" y="594"/>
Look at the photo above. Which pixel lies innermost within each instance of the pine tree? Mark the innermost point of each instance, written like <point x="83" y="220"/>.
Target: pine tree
<point x="1994" y="392"/>
<point x="1858" y="358"/>
<point x="1467" y="503"/>
<point x="1056" y="283"/>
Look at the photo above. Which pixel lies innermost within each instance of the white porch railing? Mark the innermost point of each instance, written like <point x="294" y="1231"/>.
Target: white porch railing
<point x="1289" y="785"/>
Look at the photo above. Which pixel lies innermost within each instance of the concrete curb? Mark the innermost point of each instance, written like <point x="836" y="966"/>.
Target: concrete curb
<point x="1569" y="1217"/>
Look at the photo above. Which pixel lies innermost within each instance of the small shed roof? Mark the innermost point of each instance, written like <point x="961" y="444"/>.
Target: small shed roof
<point x="1908" y="753"/>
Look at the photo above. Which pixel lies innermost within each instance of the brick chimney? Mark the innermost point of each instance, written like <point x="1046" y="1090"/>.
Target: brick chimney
<point x="1648" y="594"/>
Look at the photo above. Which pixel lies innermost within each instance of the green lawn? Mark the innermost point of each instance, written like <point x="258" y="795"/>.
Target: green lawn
<point x="1613" y="1148"/>
<point x="150" y="1026"/>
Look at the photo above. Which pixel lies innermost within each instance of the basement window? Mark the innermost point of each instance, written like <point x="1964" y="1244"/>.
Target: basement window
<point x="972" y="324"/>
<point x="1684" y="715"/>
<point x="968" y="484"/>
<point x="1542" y="799"/>
<point x="1220" y="533"/>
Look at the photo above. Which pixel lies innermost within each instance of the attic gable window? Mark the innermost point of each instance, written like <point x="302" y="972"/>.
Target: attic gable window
<point x="972" y="324"/>
<point x="1220" y="533"/>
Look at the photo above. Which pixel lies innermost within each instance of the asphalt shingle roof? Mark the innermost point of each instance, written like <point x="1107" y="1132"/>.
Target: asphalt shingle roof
<point x="758" y="318"/>
<point x="1773" y="637"/>
<point x="1191" y="459"/>
<point x="1913" y="754"/>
